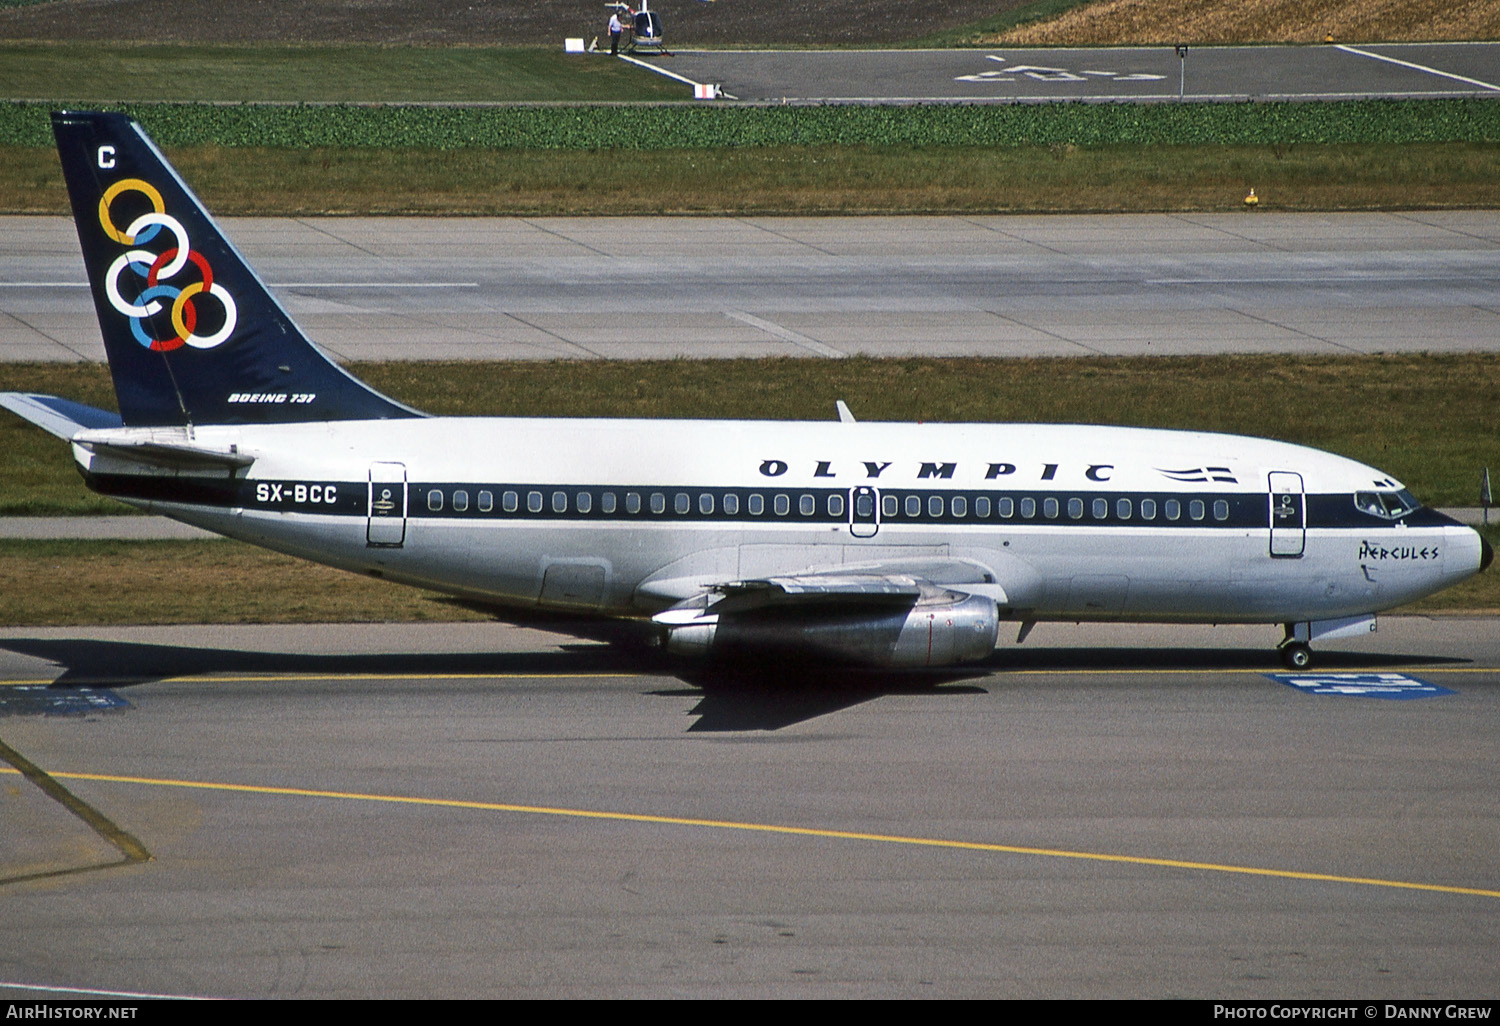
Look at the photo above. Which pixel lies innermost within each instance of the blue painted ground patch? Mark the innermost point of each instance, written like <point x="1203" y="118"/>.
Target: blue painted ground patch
<point x="1361" y="685"/>
<point x="41" y="700"/>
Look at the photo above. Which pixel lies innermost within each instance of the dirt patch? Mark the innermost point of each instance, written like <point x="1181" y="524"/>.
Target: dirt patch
<point x="1268" y="21"/>
<point x="487" y="22"/>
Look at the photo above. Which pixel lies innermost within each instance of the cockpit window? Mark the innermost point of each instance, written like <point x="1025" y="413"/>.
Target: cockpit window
<point x="1386" y="505"/>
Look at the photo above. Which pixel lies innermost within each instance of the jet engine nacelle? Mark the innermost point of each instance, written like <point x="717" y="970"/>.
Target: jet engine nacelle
<point x="954" y="629"/>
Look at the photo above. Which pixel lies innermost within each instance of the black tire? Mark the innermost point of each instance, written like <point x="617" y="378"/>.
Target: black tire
<point x="1296" y="656"/>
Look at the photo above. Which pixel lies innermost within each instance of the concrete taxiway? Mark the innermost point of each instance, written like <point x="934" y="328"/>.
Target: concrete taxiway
<point x="1112" y="74"/>
<point x="652" y="287"/>
<point x="478" y="810"/>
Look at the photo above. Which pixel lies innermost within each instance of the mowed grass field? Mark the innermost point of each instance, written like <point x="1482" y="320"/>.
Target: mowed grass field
<point x="800" y="180"/>
<point x="95" y="72"/>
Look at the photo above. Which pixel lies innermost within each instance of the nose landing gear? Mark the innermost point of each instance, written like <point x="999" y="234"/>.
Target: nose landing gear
<point x="1296" y="655"/>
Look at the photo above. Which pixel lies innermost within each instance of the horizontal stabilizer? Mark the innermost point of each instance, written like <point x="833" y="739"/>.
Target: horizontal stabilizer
<point x="169" y="455"/>
<point x="61" y="417"/>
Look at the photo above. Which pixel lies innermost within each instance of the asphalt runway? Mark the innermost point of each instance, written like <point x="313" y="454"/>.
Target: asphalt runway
<point x="1333" y="72"/>
<point x="652" y="287"/>
<point x="481" y="811"/>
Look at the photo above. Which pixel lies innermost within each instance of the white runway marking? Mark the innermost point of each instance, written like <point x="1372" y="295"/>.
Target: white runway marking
<point x="1418" y="67"/>
<point x="102" y="993"/>
<point x="785" y="334"/>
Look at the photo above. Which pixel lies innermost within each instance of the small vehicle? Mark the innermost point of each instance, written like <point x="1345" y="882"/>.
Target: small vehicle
<point x="648" y="31"/>
<point x="644" y="26"/>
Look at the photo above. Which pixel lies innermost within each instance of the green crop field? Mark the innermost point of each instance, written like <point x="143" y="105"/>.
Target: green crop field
<point x="689" y="127"/>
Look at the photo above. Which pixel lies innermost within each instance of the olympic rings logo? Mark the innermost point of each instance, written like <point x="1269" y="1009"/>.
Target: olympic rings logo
<point x="155" y="268"/>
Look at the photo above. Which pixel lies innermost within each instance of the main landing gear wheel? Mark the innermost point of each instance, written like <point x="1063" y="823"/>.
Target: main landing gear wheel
<point x="1296" y="655"/>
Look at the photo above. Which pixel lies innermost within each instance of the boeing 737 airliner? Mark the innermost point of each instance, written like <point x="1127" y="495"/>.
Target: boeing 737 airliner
<point x="877" y="544"/>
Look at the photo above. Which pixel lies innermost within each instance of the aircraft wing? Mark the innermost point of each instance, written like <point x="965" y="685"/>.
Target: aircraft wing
<point x="902" y="584"/>
<point x="877" y="615"/>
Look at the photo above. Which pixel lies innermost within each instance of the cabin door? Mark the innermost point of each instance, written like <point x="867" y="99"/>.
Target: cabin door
<point x="1288" y="514"/>
<point x="386" y="527"/>
<point x="864" y="512"/>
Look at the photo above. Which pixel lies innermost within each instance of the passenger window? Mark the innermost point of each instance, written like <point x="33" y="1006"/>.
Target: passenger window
<point x="1195" y="509"/>
<point x="782" y="504"/>
<point x="807" y="505"/>
<point x="460" y="501"/>
<point x="913" y="505"/>
<point x="585" y="502"/>
<point x="1028" y="508"/>
<point x="889" y="505"/>
<point x="706" y="504"/>
<point x="934" y="505"/>
<point x="533" y="502"/>
<point x="757" y="504"/>
<point x="511" y="502"/>
<point x="1122" y="509"/>
<point x="731" y="505"/>
<point x="1148" y="509"/>
<point x="1049" y="509"/>
<point x="632" y="502"/>
<point x="1101" y="509"/>
<point x="559" y="502"/>
<point x="1221" y="510"/>
<point x="607" y="502"/>
<point x="658" y="502"/>
<point x="1006" y="508"/>
<point x="1075" y="508"/>
<point x="981" y="507"/>
<point x="486" y="501"/>
<point x="959" y="506"/>
<point x="1173" y="509"/>
<point x="836" y="505"/>
<point x="434" y="500"/>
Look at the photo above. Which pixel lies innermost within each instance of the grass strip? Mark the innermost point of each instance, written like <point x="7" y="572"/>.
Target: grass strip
<point x="687" y="126"/>
<point x="806" y="179"/>
<point x="348" y="72"/>
<point x="66" y="583"/>
<point x="1427" y="419"/>
<point x="73" y="583"/>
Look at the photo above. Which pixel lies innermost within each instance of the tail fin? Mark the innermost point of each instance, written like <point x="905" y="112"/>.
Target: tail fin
<point x="192" y="334"/>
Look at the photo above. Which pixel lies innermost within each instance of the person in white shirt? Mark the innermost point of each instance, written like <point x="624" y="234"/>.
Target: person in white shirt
<point x="615" y="28"/>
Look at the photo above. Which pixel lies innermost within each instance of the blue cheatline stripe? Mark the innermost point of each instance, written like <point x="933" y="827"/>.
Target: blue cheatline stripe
<point x="685" y="503"/>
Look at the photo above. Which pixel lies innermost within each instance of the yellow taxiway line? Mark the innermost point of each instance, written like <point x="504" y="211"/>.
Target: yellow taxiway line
<point x="779" y="829"/>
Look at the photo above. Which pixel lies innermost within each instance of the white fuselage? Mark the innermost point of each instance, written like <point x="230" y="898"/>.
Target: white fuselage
<point x="627" y="517"/>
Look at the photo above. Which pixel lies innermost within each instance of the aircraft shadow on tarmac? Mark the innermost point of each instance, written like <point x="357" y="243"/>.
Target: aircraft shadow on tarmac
<point x="739" y="698"/>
